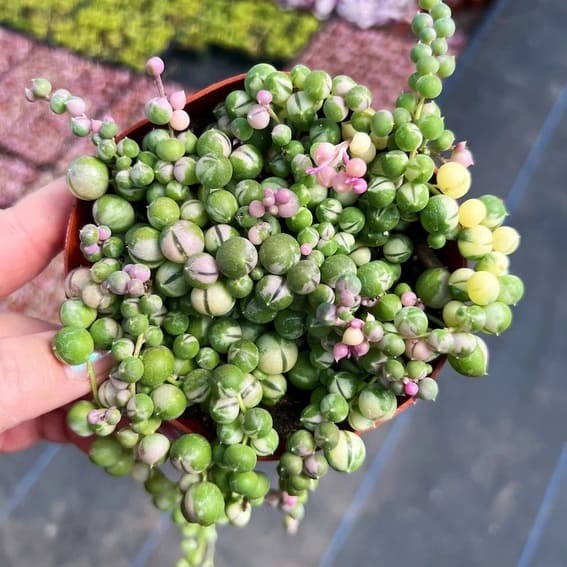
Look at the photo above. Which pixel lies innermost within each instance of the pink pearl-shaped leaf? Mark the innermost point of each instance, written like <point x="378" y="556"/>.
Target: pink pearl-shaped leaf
<point x="179" y="120"/>
<point x="264" y="97"/>
<point x="155" y="66"/>
<point x="177" y="100"/>
<point x="355" y="167"/>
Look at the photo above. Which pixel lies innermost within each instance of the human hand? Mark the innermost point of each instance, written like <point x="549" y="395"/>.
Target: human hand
<point x="34" y="386"/>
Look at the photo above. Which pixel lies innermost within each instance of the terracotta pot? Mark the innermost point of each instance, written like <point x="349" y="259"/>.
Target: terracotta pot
<point x="199" y="107"/>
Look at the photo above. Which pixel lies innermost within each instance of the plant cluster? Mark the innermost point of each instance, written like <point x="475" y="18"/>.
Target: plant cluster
<point x="278" y="277"/>
<point x="114" y="31"/>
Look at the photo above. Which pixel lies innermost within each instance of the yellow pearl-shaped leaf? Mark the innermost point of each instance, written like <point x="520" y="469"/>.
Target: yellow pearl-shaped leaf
<point x="505" y="239"/>
<point x="483" y="288"/>
<point x="453" y="179"/>
<point x="472" y="212"/>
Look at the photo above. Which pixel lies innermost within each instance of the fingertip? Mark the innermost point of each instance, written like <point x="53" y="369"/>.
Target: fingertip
<point x="102" y="362"/>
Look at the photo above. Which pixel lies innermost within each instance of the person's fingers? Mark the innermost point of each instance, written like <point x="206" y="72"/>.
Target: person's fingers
<point x="49" y="427"/>
<point x="33" y="382"/>
<point x="32" y="232"/>
<point x="14" y="325"/>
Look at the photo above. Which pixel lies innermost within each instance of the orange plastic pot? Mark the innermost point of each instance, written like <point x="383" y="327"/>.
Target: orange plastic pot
<point x="200" y="106"/>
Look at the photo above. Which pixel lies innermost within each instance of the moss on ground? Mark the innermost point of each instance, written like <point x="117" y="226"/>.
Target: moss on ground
<point x="119" y="31"/>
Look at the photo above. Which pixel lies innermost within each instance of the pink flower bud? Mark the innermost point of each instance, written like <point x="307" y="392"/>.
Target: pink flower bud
<point x="256" y="209"/>
<point x="273" y="210"/>
<point x="306" y="249"/>
<point x="340" y="350"/>
<point x="288" y="499"/>
<point x="155" y="66"/>
<point x="283" y="196"/>
<point x="289" y="209"/>
<point x="269" y="199"/>
<point x="408" y="298"/>
<point x="356" y="323"/>
<point x="361" y="349"/>
<point x="411" y="388"/>
<point x="177" y="100"/>
<point x="461" y="154"/>
<point x="264" y="97"/>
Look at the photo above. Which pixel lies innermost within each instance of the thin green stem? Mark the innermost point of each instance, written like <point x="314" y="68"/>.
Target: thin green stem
<point x="241" y="404"/>
<point x="419" y="109"/>
<point x="272" y="114"/>
<point x="139" y="344"/>
<point x="92" y="379"/>
<point x="416" y="117"/>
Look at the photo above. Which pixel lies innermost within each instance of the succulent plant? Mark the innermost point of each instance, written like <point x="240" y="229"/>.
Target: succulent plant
<point x="276" y="282"/>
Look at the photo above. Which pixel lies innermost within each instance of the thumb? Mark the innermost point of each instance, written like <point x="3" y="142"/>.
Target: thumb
<point x="33" y="382"/>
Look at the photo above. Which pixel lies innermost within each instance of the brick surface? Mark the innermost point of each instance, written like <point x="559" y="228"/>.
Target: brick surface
<point x="14" y="47"/>
<point x="41" y="297"/>
<point x="18" y="179"/>
<point x="377" y="58"/>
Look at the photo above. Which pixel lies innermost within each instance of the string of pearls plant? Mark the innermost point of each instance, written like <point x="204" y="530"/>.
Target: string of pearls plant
<point x="278" y="277"/>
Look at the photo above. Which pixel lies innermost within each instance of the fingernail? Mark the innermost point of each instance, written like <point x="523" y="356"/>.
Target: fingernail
<point x="100" y="360"/>
<point x="97" y="355"/>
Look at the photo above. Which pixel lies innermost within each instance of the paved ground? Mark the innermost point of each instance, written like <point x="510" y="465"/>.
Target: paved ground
<point x="477" y="479"/>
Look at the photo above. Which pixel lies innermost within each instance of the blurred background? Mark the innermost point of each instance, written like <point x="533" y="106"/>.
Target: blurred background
<point x="477" y="479"/>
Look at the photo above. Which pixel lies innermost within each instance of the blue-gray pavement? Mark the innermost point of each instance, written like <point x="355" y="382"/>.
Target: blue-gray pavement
<point x="477" y="479"/>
